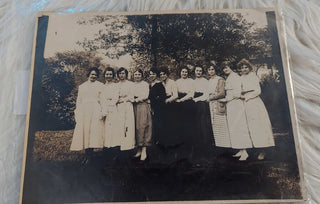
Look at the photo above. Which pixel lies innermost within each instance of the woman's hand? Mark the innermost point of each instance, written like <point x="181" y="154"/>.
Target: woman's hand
<point x="223" y="100"/>
<point x="136" y="100"/>
<point x="121" y="100"/>
<point x="211" y="97"/>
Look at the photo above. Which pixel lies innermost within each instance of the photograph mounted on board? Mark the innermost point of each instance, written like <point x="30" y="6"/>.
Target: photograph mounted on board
<point x="171" y="106"/>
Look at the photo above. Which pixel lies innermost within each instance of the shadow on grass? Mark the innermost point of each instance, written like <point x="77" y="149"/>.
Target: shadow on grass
<point x="56" y="175"/>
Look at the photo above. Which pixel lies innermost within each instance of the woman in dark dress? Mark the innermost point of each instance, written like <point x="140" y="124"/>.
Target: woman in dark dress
<point x="203" y="129"/>
<point x="168" y="135"/>
<point x="185" y="113"/>
<point x="157" y="96"/>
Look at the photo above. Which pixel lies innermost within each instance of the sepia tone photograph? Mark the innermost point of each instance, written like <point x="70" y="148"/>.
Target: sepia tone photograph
<point x="172" y="106"/>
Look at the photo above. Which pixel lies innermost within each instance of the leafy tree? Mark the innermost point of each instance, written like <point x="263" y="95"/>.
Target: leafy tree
<point x="189" y="40"/>
<point x="61" y="79"/>
<point x="176" y="40"/>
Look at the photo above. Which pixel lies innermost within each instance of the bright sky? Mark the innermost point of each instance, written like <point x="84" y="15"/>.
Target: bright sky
<point x="64" y="31"/>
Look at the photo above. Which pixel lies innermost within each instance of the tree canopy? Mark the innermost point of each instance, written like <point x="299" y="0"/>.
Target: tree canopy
<point x="63" y="74"/>
<point x="177" y="40"/>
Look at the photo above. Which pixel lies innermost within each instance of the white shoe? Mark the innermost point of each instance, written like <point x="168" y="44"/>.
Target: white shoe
<point x="237" y="154"/>
<point x="261" y="156"/>
<point x="138" y="154"/>
<point x="244" y="156"/>
<point x="143" y="156"/>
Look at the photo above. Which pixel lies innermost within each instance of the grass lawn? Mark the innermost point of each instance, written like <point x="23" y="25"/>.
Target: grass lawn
<point x="57" y="175"/>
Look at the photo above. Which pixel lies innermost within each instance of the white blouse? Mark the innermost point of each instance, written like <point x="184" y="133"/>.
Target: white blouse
<point x="186" y="86"/>
<point x="171" y="88"/>
<point x="250" y="82"/>
<point x="140" y="91"/>
<point x="109" y="96"/>
<point x="125" y="90"/>
<point x="201" y="85"/>
<point x="233" y="86"/>
<point x="89" y="92"/>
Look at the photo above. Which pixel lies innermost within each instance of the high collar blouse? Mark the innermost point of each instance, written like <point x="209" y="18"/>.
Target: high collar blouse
<point x="185" y="86"/>
<point x="125" y="90"/>
<point x="140" y="90"/>
<point x="201" y="85"/>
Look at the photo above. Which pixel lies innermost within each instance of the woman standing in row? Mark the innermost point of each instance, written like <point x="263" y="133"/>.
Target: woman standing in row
<point x="109" y="100"/>
<point x="236" y="116"/>
<point x="125" y="111"/>
<point x="168" y="133"/>
<point x="259" y="125"/>
<point x="88" y="133"/>
<point x="157" y="96"/>
<point x="142" y="113"/>
<point x="203" y="129"/>
<point x="218" y="109"/>
<point x="185" y="109"/>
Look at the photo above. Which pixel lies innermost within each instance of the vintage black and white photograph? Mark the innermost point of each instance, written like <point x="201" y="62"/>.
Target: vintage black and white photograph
<point x="172" y="106"/>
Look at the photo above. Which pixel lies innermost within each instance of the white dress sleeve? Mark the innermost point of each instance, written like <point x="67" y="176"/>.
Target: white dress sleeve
<point x="173" y="89"/>
<point x="104" y="101"/>
<point x="235" y="88"/>
<point x="142" y="91"/>
<point x="253" y="86"/>
<point x="78" y="103"/>
<point x="204" y="89"/>
<point x="190" y="93"/>
<point x="115" y="94"/>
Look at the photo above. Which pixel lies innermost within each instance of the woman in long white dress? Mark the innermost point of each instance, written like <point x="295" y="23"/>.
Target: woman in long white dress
<point x="217" y="109"/>
<point x="88" y="133"/>
<point x="142" y="113"/>
<point x="236" y="117"/>
<point x="125" y="111"/>
<point x="257" y="116"/>
<point x="109" y="99"/>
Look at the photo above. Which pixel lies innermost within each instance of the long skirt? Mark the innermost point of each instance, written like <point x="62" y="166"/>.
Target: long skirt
<point x="169" y="136"/>
<point x="112" y="128"/>
<point x="259" y="123"/>
<point x="186" y="128"/>
<point x="88" y="132"/>
<point x="219" y="126"/>
<point x="203" y="131"/>
<point x="143" y="121"/>
<point x="237" y="124"/>
<point x="186" y="121"/>
<point x="126" y="126"/>
<point x="157" y="124"/>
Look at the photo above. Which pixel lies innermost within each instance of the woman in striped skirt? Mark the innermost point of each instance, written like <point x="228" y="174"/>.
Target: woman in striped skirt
<point x="217" y="109"/>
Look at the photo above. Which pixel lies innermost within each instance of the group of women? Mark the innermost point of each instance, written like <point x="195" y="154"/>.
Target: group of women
<point x="193" y="113"/>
